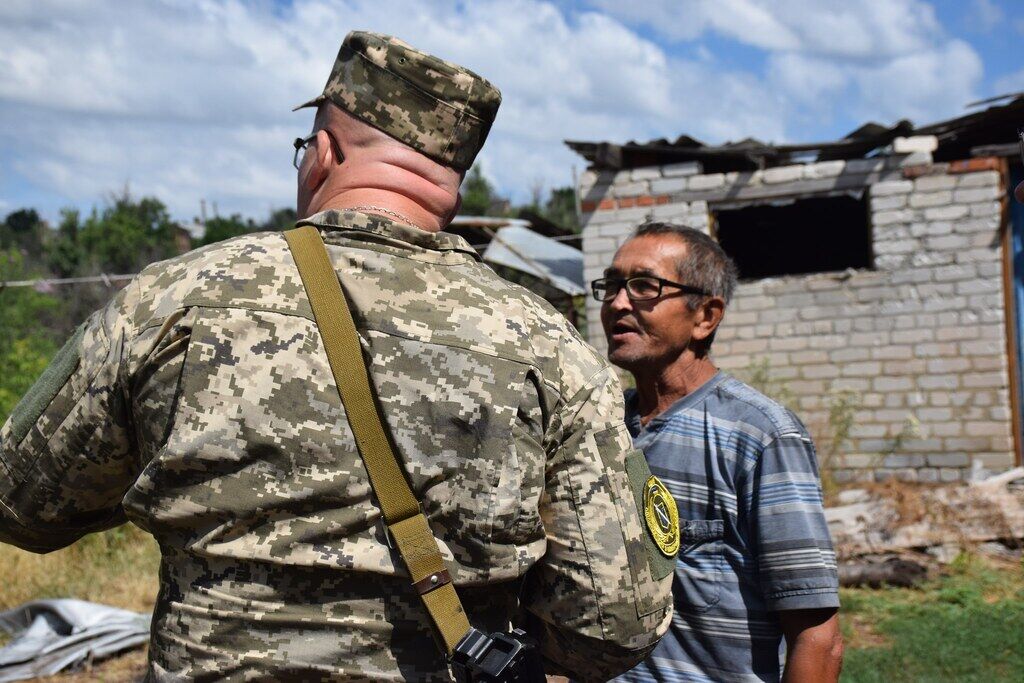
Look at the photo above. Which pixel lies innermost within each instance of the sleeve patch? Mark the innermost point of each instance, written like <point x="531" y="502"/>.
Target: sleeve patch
<point x="658" y="510"/>
<point x="53" y="379"/>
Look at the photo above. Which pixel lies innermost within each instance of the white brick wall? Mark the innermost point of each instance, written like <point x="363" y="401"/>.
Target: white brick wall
<point x="920" y="340"/>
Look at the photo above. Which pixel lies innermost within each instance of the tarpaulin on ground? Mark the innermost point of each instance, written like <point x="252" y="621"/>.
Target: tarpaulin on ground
<point x="53" y="635"/>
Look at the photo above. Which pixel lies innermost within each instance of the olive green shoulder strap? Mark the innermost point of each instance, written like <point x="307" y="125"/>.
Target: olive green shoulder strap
<point x="405" y="521"/>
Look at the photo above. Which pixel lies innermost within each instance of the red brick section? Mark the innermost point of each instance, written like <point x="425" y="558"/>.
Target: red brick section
<point x="963" y="166"/>
<point x="590" y="206"/>
<point x="975" y="165"/>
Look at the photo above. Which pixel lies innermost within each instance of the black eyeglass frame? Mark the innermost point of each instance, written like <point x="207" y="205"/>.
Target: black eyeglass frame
<point x="624" y="282"/>
<point x="300" y="145"/>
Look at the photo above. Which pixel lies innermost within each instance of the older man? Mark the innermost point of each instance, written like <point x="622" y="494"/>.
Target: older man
<point x="756" y="562"/>
<point x="200" y="405"/>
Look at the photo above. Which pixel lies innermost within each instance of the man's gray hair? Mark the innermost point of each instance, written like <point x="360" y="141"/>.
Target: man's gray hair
<point x="706" y="265"/>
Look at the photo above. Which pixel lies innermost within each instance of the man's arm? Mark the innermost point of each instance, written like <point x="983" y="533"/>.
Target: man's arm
<point x="66" y="451"/>
<point x="814" y="645"/>
<point x="593" y="600"/>
<point x="796" y="562"/>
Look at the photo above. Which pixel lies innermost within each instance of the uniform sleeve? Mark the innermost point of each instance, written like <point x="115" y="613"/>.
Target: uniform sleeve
<point x="796" y="562"/>
<point x="66" y="455"/>
<point x="595" y="604"/>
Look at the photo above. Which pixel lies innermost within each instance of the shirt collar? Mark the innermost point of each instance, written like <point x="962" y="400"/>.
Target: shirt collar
<point x="333" y="220"/>
<point x="684" y="403"/>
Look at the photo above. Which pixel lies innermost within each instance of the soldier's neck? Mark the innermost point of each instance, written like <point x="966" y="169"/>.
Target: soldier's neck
<point x="391" y="205"/>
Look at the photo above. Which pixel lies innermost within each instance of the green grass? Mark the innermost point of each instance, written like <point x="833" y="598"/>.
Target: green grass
<point x="966" y="626"/>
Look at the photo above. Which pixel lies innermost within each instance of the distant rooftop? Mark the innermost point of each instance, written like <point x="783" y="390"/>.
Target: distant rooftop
<point x="988" y="132"/>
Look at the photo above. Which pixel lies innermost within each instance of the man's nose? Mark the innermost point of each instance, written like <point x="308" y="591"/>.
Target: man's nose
<point x="621" y="301"/>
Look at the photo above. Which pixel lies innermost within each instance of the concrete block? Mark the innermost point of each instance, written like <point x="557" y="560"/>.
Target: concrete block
<point x="782" y="174"/>
<point x="884" y="384"/>
<point x="934" y="414"/>
<point x="888" y="203"/>
<point x="947" y="475"/>
<point x="981" y="179"/>
<point x="949" y="382"/>
<point x="946" y="213"/>
<point x="903" y="461"/>
<point x="915" y="143"/>
<point x="920" y="200"/>
<point x="823" y="169"/>
<point x="976" y="194"/>
<point x="671" y="212"/>
<point x="985" y="380"/>
<point x="880" y="218"/>
<point x="982" y="209"/>
<point x="913" y="159"/>
<point x="631" y="189"/>
<point x="988" y="225"/>
<point x="948" y="460"/>
<point x="947" y="242"/>
<point x="927" y="475"/>
<point x="645" y="173"/>
<point x="891" y="187"/>
<point x="931" y="183"/>
<point x="685" y="168"/>
<point x="710" y="181"/>
<point x="862" y="369"/>
<point x="668" y="185"/>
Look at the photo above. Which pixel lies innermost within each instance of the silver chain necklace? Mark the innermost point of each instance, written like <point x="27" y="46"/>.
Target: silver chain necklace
<point x="389" y="212"/>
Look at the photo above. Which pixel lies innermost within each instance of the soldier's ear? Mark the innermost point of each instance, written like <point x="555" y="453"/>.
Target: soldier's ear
<point x="323" y="160"/>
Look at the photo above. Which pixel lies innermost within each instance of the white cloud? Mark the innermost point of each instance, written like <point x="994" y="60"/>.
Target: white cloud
<point x="878" y="59"/>
<point x="190" y="99"/>
<point x="1010" y="83"/>
<point x="860" y="29"/>
<point x="985" y="15"/>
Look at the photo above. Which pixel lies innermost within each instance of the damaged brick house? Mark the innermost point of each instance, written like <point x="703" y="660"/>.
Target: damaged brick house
<point x="881" y="278"/>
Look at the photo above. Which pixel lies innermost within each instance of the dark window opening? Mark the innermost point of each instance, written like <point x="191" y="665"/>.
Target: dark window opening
<point x="813" y="235"/>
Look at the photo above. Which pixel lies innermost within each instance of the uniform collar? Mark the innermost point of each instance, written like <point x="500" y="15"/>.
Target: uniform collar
<point x="333" y="220"/>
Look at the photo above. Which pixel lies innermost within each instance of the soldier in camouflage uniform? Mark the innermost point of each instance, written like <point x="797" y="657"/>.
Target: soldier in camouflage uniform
<point x="199" y="405"/>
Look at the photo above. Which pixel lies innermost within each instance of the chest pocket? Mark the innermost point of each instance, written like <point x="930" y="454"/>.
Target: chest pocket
<point x="699" y="564"/>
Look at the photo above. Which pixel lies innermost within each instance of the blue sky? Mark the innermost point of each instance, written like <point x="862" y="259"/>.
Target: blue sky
<point x="190" y="99"/>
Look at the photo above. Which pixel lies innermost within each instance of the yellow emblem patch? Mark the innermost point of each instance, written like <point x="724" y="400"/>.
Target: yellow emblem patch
<point x="662" y="516"/>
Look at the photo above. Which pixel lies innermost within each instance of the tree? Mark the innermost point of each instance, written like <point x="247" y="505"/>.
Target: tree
<point x="25" y="346"/>
<point x="219" y="228"/>
<point x="23" y="229"/>
<point x="479" y="198"/>
<point x="280" y="219"/>
<point x="560" y="208"/>
<point x="127" y="235"/>
<point x="64" y="254"/>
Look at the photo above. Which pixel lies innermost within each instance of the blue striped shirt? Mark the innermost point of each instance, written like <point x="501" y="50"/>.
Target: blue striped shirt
<point x="743" y="472"/>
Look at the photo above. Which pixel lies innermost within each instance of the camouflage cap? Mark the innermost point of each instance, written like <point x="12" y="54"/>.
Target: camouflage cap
<point x="439" y="108"/>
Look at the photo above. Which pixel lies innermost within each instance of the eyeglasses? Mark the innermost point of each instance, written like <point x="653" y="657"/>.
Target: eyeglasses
<point x="640" y="288"/>
<point x="300" y="145"/>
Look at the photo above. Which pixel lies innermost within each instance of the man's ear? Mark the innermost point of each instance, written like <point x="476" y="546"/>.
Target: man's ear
<point x="710" y="314"/>
<point x="323" y="160"/>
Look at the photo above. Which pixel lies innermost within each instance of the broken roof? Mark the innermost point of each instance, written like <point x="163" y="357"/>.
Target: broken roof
<point x="990" y="132"/>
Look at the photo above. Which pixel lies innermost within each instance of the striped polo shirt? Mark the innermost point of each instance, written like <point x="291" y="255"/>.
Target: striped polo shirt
<point x="754" y="540"/>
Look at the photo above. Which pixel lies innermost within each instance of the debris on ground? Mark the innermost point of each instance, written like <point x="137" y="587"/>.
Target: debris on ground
<point x="899" y="534"/>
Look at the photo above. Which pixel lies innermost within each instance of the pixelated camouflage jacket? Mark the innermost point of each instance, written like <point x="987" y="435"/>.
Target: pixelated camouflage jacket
<point x="199" y="404"/>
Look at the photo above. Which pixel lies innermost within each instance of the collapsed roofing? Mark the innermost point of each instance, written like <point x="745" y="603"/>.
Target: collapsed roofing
<point x="990" y="132"/>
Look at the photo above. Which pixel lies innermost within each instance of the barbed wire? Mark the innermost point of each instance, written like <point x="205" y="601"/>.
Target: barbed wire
<point x="108" y="279"/>
<point x="46" y="282"/>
